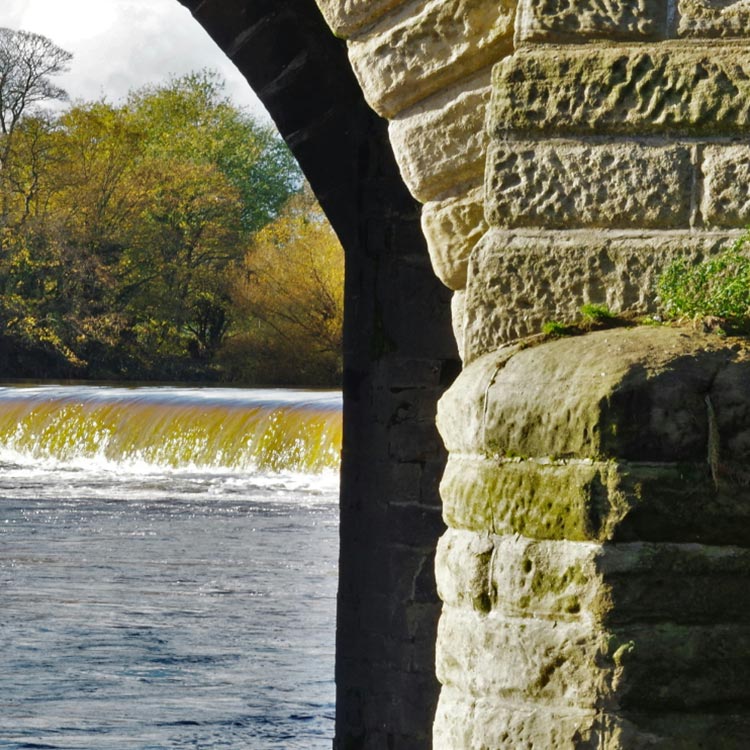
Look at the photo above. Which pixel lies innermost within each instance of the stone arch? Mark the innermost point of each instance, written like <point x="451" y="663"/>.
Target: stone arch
<point x="399" y="356"/>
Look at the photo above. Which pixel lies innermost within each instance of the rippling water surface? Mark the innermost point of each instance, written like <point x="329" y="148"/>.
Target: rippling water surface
<point x="148" y="603"/>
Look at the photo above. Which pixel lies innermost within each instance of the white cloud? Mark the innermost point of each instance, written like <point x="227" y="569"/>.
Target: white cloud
<point x="123" y="44"/>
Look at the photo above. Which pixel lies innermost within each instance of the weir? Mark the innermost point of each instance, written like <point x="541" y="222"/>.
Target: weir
<point x="151" y="428"/>
<point x="594" y="575"/>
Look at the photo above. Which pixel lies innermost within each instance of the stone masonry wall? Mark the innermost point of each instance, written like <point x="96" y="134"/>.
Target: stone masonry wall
<point x="595" y="570"/>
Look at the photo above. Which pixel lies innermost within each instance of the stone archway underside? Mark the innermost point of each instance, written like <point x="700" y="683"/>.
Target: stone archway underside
<point x="595" y="571"/>
<point x="399" y="355"/>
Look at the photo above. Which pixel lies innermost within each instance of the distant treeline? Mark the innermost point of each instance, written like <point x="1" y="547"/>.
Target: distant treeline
<point x="169" y="237"/>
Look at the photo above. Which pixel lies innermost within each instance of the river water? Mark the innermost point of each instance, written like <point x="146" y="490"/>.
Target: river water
<point x="167" y="567"/>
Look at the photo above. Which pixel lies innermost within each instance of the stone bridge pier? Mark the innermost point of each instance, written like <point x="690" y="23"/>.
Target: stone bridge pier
<point x="595" y="570"/>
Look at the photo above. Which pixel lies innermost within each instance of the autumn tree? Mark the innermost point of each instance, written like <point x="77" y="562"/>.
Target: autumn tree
<point x="145" y="215"/>
<point x="219" y="176"/>
<point x="290" y="289"/>
<point x="164" y="237"/>
<point x="173" y="275"/>
<point x="28" y="62"/>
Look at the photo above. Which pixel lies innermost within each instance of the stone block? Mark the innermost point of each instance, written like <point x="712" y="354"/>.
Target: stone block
<point x="619" y="584"/>
<point x="567" y="21"/>
<point x="560" y="184"/>
<point x="413" y="441"/>
<point x="346" y="17"/>
<point x="726" y="185"/>
<point x="432" y="473"/>
<point x="408" y="522"/>
<point x="470" y="722"/>
<point x="416" y="373"/>
<point x="523" y="659"/>
<point x="520" y="279"/>
<point x="463" y="569"/>
<point x="428" y="46"/>
<point x="633" y="394"/>
<point x="690" y="90"/>
<point x="689" y="668"/>
<point x="440" y="144"/>
<point x="594" y="501"/>
<point x="452" y="227"/>
<point x="713" y="18"/>
<point x="644" y="667"/>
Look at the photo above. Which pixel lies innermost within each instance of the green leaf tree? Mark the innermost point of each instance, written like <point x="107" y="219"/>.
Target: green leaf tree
<point x="191" y="119"/>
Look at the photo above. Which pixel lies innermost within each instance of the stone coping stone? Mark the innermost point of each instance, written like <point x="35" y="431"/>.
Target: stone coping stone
<point x="612" y="583"/>
<point x="520" y="279"/>
<point x="672" y="89"/>
<point x="629" y="394"/>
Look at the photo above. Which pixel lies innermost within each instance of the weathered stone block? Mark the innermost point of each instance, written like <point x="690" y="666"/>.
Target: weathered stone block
<point x="667" y="89"/>
<point x="644" y="667"/>
<point x="518" y="280"/>
<point x="568" y="185"/>
<point x="578" y="502"/>
<point x="416" y="373"/>
<point x="470" y="722"/>
<point x="671" y="667"/>
<point x="714" y="18"/>
<point x="726" y="185"/>
<point x="635" y="394"/>
<point x="440" y="144"/>
<point x="516" y="576"/>
<point x="463" y="569"/>
<point x="452" y="227"/>
<point x="345" y="17"/>
<point x="547" y="661"/>
<point x="564" y="21"/>
<point x="612" y="583"/>
<point x="594" y="501"/>
<point x="413" y="441"/>
<point x="428" y="46"/>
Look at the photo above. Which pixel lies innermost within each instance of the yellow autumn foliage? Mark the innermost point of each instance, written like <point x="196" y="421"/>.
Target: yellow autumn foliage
<point x="290" y="290"/>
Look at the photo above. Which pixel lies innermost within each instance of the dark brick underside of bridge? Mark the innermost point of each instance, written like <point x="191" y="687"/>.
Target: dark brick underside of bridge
<point x="398" y="357"/>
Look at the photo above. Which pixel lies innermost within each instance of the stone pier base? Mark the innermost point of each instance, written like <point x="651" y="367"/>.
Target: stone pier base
<point x="596" y="572"/>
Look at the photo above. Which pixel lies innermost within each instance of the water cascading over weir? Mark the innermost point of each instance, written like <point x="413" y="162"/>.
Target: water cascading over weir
<point x="595" y="569"/>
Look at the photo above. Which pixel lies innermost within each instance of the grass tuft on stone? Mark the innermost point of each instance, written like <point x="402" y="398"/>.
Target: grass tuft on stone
<point x="717" y="289"/>
<point x="554" y="329"/>
<point x="594" y="313"/>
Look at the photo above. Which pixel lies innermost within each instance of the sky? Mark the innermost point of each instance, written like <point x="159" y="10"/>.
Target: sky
<point x="118" y="45"/>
